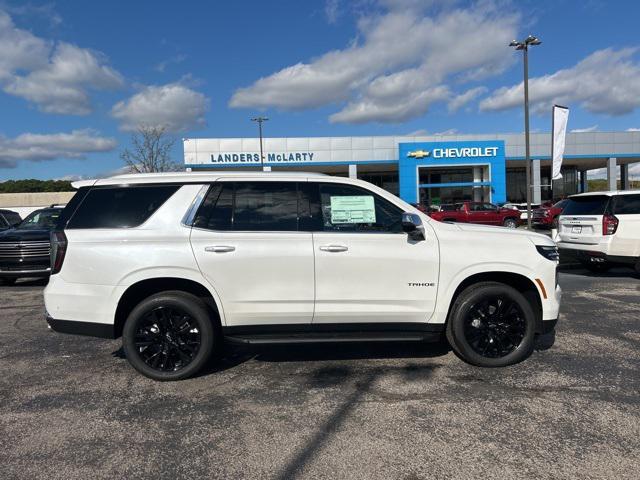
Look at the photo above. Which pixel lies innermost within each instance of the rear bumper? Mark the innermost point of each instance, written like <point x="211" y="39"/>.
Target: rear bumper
<point x="595" y="256"/>
<point x="39" y="273"/>
<point x="90" y="329"/>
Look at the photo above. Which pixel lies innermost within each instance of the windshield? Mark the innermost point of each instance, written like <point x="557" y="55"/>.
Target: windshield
<point x="41" y="219"/>
<point x="561" y="203"/>
<point x="589" y="205"/>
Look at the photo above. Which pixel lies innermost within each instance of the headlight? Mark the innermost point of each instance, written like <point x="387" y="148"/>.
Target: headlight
<point x="549" y="252"/>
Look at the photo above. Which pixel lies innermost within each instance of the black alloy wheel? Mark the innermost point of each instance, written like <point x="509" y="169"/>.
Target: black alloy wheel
<point x="169" y="336"/>
<point x="491" y="324"/>
<point x="167" y="339"/>
<point x="495" y="326"/>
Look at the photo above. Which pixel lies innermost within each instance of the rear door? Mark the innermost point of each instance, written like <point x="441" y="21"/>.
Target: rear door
<point x="247" y="243"/>
<point x="581" y="220"/>
<point x="626" y="241"/>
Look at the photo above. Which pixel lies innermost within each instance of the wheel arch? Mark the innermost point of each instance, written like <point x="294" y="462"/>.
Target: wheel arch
<point x="521" y="283"/>
<point x="142" y="289"/>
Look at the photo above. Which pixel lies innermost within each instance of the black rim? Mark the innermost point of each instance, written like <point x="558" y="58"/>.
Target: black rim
<point x="167" y="339"/>
<point x="495" y="326"/>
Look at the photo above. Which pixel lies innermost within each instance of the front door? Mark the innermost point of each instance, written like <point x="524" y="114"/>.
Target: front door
<point x="367" y="269"/>
<point x="246" y="241"/>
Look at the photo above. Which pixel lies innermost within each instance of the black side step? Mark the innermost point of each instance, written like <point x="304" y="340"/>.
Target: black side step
<point x="336" y="337"/>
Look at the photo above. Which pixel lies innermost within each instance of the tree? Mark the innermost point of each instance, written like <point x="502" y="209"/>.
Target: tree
<point x="150" y="151"/>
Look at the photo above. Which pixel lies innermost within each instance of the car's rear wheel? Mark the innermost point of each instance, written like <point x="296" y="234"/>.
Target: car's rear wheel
<point x="491" y="325"/>
<point x="8" y="281"/>
<point x="169" y="336"/>
<point x="510" y="223"/>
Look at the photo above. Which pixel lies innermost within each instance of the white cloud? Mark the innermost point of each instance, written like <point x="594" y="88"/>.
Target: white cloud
<point x="175" y="60"/>
<point x="593" y="128"/>
<point x="173" y="106"/>
<point x="332" y="10"/>
<point x="396" y="67"/>
<point x="36" y="147"/>
<point x="421" y="132"/>
<point x="463" y="99"/>
<point x="633" y="130"/>
<point x="607" y="81"/>
<point x="54" y="76"/>
<point x="451" y="131"/>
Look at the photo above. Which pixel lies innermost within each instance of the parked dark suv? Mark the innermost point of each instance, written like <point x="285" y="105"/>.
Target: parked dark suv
<point x="25" y="249"/>
<point x="8" y="219"/>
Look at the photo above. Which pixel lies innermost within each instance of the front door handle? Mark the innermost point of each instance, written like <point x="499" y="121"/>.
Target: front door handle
<point x="220" y="248"/>
<point x="334" y="248"/>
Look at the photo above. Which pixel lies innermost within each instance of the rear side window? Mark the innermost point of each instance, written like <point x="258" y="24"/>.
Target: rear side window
<point x="120" y="207"/>
<point x="627" y="205"/>
<point x="12" y="218"/>
<point x="588" y="205"/>
<point x="251" y="206"/>
<point x="3" y="222"/>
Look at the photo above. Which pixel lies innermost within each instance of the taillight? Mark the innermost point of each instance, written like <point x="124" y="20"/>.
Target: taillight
<point x="58" y="251"/>
<point x="609" y="225"/>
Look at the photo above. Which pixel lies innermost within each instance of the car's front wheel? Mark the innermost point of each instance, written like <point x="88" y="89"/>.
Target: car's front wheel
<point x="510" y="223"/>
<point x="169" y="336"/>
<point x="491" y="325"/>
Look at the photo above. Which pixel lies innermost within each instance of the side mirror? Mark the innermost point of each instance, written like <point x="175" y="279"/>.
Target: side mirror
<point x="412" y="225"/>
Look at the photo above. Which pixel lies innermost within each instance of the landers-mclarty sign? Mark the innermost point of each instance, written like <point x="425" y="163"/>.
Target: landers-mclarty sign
<point x="255" y="157"/>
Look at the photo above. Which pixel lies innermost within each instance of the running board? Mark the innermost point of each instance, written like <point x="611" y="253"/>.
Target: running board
<point x="338" y="337"/>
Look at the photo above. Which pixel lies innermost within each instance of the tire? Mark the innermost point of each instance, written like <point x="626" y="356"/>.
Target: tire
<point x="495" y="340"/>
<point x="597" y="267"/>
<point x="510" y="223"/>
<point x="8" y="281"/>
<point x="169" y="336"/>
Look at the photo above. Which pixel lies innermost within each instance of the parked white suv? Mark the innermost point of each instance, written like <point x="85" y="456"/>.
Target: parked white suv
<point x="602" y="228"/>
<point x="176" y="263"/>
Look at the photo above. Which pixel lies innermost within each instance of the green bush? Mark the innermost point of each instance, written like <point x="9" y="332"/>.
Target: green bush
<point x="33" y="185"/>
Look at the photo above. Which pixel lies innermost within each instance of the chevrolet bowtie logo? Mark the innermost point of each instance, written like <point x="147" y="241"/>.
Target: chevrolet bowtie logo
<point x="418" y="154"/>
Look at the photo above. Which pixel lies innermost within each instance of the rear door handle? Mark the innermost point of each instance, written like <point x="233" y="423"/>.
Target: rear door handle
<point x="220" y="248"/>
<point x="334" y="248"/>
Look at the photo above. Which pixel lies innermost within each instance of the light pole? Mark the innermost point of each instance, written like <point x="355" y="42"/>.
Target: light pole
<point x="260" y="120"/>
<point x="524" y="46"/>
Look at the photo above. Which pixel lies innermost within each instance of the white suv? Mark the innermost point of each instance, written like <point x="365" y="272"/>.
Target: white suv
<point x="602" y="228"/>
<point x="176" y="263"/>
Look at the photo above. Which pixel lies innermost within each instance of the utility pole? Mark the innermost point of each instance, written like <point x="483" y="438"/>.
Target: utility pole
<point x="524" y="46"/>
<point x="260" y="120"/>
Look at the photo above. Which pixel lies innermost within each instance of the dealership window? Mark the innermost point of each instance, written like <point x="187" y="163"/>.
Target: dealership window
<point x="446" y="175"/>
<point x="346" y="208"/>
<point x="385" y="180"/>
<point x="120" y="207"/>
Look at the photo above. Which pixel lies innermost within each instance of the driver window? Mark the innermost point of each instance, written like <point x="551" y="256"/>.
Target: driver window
<point x="346" y="208"/>
<point x="490" y="207"/>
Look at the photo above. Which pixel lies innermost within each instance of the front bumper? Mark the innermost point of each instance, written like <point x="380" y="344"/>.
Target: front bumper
<point x="38" y="273"/>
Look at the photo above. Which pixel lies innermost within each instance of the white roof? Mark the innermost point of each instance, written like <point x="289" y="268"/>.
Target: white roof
<point x="609" y="193"/>
<point x="188" y="177"/>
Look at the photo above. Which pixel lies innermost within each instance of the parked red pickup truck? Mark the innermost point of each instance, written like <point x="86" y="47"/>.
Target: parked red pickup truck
<point x="547" y="216"/>
<point x="477" y="212"/>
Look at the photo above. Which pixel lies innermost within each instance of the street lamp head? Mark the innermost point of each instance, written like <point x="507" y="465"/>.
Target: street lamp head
<point x="531" y="40"/>
<point x="514" y="43"/>
<point x="259" y="119"/>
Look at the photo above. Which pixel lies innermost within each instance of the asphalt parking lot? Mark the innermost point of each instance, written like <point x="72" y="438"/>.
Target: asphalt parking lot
<point x="71" y="407"/>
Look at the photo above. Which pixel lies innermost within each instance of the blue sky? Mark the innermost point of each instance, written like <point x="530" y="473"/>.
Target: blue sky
<point x="76" y="77"/>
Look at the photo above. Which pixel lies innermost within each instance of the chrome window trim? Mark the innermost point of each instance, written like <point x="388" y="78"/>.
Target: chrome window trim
<point x="190" y="215"/>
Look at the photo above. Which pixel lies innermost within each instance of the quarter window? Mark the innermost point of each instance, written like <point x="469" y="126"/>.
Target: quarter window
<point x="120" y="207"/>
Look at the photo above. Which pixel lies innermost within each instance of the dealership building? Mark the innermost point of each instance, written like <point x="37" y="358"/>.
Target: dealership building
<point x="433" y="169"/>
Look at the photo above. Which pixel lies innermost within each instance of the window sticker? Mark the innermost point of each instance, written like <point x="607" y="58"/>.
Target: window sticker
<point x="353" y="209"/>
